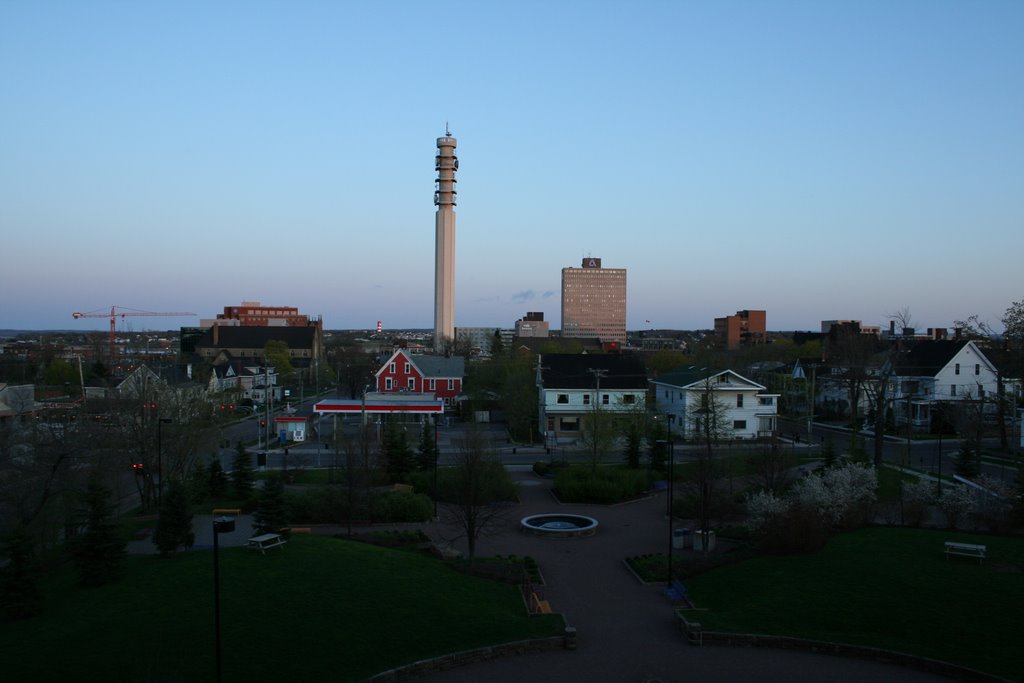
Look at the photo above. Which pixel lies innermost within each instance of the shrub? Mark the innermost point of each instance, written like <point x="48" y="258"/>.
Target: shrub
<point x="834" y="498"/>
<point x="581" y="484"/>
<point x="917" y="496"/>
<point x="398" y="506"/>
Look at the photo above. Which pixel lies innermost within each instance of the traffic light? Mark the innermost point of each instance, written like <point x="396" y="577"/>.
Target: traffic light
<point x="263" y="423"/>
<point x="137" y="466"/>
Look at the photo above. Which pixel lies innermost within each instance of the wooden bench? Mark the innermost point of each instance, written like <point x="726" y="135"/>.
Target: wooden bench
<point x="539" y="605"/>
<point x="676" y="592"/>
<point x="266" y="541"/>
<point x="966" y="550"/>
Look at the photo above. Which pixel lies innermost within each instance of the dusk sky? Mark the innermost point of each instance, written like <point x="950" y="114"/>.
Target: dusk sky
<point x="818" y="160"/>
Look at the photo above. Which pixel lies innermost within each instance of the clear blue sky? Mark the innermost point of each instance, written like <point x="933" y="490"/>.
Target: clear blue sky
<point x="815" y="159"/>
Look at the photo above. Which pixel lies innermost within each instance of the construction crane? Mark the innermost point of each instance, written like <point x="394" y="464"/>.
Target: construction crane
<point x="122" y="312"/>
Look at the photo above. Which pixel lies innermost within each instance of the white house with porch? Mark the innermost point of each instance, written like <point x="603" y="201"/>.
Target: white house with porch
<point x="750" y="409"/>
<point x="944" y="371"/>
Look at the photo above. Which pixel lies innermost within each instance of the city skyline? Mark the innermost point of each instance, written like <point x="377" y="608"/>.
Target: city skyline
<point x="839" y="161"/>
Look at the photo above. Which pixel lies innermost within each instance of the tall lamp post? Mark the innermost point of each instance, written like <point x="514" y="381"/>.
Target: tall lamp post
<point x="437" y="456"/>
<point x="671" y="493"/>
<point x="221" y="525"/>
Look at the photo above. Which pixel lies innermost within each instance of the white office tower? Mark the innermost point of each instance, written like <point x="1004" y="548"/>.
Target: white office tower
<point x="446" y="164"/>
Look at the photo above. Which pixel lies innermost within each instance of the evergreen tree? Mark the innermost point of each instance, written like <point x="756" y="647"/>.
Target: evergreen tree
<point x="397" y="453"/>
<point x="633" y="431"/>
<point x="19" y="576"/>
<point x="174" y="527"/>
<point x="427" y="452"/>
<point x="218" y="480"/>
<point x="657" y="449"/>
<point x="100" y="549"/>
<point x="242" y="479"/>
<point x="271" y="513"/>
<point x="199" y="483"/>
<point x="966" y="461"/>
<point x="828" y="452"/>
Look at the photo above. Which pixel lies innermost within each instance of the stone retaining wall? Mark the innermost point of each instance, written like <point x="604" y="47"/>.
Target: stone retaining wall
<point x="696" y="635"/>
<point x="425" y="667"/>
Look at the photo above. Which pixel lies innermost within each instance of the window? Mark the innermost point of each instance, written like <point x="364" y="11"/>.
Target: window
<point x="586" y="399"/>
<point x="981" y="391"/>
<point x="563" y="398"/>
<point x="569" y="424"/>
<point x="451" y="385"/>
<point x="628" y="399"/>
<point x="977" y="368"/>
<point x="739" y="424"/>
<point x="952" y="390"/>
<point x="957" y="369"/>
<point x="391" y="368"/>
<point x="433" y="384"/>
<point x="604" y="399"/>
<point x="406" y="370"/>
<point x="739" y="400"/>
<point x="766" y="400"/>
<point x="412" y="383"/>
<point x="388" y="386"/>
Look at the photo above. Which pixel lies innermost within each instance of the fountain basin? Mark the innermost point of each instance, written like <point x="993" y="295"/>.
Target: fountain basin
<point x="557" y="525"/>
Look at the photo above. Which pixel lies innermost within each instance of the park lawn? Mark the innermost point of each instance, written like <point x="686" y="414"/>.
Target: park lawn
<point x="319" y="608"/>
<point x="889" y="588"/>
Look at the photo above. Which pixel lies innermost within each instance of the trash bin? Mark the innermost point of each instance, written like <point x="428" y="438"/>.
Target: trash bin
<point x="698" y="541"/>
<point x="679" y="538"/>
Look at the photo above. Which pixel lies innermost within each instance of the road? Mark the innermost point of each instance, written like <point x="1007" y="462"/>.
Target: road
<point x="931" y="456"/>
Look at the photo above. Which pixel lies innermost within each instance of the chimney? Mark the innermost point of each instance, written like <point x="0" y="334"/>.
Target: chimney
<point x="216" y="334"/>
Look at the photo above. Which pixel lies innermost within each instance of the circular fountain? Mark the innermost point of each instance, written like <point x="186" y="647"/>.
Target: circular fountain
<point x="559" y="525"/>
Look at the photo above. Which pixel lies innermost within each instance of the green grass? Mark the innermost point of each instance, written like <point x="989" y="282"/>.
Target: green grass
<point x="881" y="587"/>
<point x="317" y="609"/>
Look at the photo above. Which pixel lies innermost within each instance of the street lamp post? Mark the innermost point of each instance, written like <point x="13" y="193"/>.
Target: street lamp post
<point x="221" y="525"/>
<point x="437" y="456"/>
<point x="670" y="444"/>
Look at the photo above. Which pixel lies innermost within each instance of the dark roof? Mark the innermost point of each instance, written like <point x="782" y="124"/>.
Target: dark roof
<point x="256" y="337"/>
<point x="573" y="371"/>
<point x="684" y="376"/>
<point x="928" y="357"/>
<point x="571" y="345"/>
<point x="440" y="366"/>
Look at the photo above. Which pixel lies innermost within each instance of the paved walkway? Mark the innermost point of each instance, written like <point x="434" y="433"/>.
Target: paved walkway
<point x="626" y="630"/>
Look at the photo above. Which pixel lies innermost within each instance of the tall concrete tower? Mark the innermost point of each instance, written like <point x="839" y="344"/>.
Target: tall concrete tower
<point x="446" y="164"/>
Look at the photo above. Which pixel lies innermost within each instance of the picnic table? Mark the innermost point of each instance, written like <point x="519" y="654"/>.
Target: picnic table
<point x="265" y="541"/>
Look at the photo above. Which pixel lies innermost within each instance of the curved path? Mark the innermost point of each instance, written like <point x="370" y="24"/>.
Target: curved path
<point x="626" y="630"/>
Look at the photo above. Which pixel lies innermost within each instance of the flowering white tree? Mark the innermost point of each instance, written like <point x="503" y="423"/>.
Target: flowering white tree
<point x="824" y="500"/>
<point x="837" y="493"/>
<point x="765" y="508"/>
<point x="956" y="501"/>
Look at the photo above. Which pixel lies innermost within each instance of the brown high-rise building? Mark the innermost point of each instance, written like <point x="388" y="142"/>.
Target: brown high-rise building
<point x="253" y="313"/>
<point x="594" y="302"/>
<point x="746" y="328"/>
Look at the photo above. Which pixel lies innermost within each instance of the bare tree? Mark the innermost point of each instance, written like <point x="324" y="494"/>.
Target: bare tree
<point x="473" y="489"/>
<point x="710" y="426"/>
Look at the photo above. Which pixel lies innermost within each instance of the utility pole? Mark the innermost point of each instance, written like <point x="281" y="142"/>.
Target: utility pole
<point x="598" y="374"/>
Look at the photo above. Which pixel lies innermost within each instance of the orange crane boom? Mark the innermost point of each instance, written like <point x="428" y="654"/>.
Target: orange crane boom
<point x="124" y="313"/>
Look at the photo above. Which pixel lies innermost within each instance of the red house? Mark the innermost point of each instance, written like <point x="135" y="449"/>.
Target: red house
<point x="435" y="376"/>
